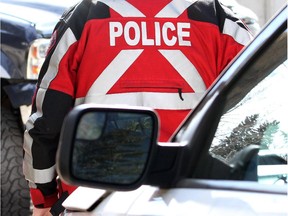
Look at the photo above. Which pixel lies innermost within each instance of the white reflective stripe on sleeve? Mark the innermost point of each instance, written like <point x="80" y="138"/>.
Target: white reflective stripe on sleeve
<point x="175" y="8"/>
<point x="124" y="8"/>
<point x="31" y="174"/>
<point x="39" y="101"/>
<point x="27" y="160"/>
<point x="39" y="176"/>
<point x="27" y="145"/>
<point x="239" y="34"/>
<point x="166" y="101"/>
<point x="66" y="41"/>
<point x="45" y="175"/>
<point x="185" y="68"/>
<point x="114" y="71"/>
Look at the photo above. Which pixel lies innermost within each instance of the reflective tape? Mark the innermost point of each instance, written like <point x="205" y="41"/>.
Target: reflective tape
<point x="117" y="67"/>
<point x="239" y="34"/>
<point x="175" y="8"/>
<point x="124" y="8"/>
<point x="185" y="68"/>
<point x="165" y="101"/>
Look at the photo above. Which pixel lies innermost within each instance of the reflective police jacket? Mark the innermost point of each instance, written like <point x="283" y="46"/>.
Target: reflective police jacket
<point x="162" y="54"/>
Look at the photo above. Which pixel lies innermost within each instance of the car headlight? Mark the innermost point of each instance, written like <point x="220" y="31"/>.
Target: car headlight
<point x="36" y="57"/>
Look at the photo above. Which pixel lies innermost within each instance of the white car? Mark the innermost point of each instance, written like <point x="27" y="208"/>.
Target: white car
<point x="228" y="158"/>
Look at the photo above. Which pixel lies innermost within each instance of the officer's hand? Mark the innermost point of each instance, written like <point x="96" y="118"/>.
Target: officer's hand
<point x="41" y="212"/>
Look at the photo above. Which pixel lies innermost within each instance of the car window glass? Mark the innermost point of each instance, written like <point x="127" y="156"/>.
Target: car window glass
<point x="259" y="115"/>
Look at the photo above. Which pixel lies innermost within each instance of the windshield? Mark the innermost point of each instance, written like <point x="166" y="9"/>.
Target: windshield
<point x="257" y="115"/>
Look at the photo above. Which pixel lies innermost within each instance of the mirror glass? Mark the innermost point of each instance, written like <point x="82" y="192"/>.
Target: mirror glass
<point x="112" y="146"/>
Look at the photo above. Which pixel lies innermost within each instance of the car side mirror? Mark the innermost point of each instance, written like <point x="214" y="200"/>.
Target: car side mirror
<point x="109" y="148"/>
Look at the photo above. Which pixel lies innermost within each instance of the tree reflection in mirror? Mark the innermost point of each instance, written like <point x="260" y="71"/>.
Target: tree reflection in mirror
<point x="112" y="147"/>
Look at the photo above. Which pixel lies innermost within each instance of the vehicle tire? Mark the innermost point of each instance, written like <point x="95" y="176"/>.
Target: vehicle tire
<point x="15" y="198"/>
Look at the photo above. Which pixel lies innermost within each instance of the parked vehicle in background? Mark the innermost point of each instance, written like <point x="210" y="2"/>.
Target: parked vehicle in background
<point x="229" y="156"/>
<point x="26" y="26"/>
<point x="244" y="13"/>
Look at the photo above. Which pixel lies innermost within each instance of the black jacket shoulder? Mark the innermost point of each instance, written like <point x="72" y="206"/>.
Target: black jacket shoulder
<point x="211" y="11"/>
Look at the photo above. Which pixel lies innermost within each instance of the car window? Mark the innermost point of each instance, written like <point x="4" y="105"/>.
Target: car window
<point x="256" y="115"/>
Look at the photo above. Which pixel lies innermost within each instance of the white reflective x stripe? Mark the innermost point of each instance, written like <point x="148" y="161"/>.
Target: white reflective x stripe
<point x="124" y="8"/>
<point x="239" y="34"/>
<point x="166" y="101"/>
<point x="175" y="8"/>
<point x="119" y="65"/>
<point x="114" y="71"/>
<point x="185" y="68"/>
<point x="126" y="58"/>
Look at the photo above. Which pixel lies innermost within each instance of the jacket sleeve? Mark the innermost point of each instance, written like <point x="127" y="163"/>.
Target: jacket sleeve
<point x="235" y="35"/>
<point x="53" y="99"/>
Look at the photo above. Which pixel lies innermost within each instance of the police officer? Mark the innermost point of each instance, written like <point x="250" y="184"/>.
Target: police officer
<point x="162" y="54"/>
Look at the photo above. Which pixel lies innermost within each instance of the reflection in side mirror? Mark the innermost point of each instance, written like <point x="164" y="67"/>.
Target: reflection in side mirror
<point x="90" y="126"/>
<point x="110" y="148"/>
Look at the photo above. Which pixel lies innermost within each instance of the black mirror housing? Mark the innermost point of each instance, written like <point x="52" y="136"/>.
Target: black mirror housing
<point x="107" y="147"/>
